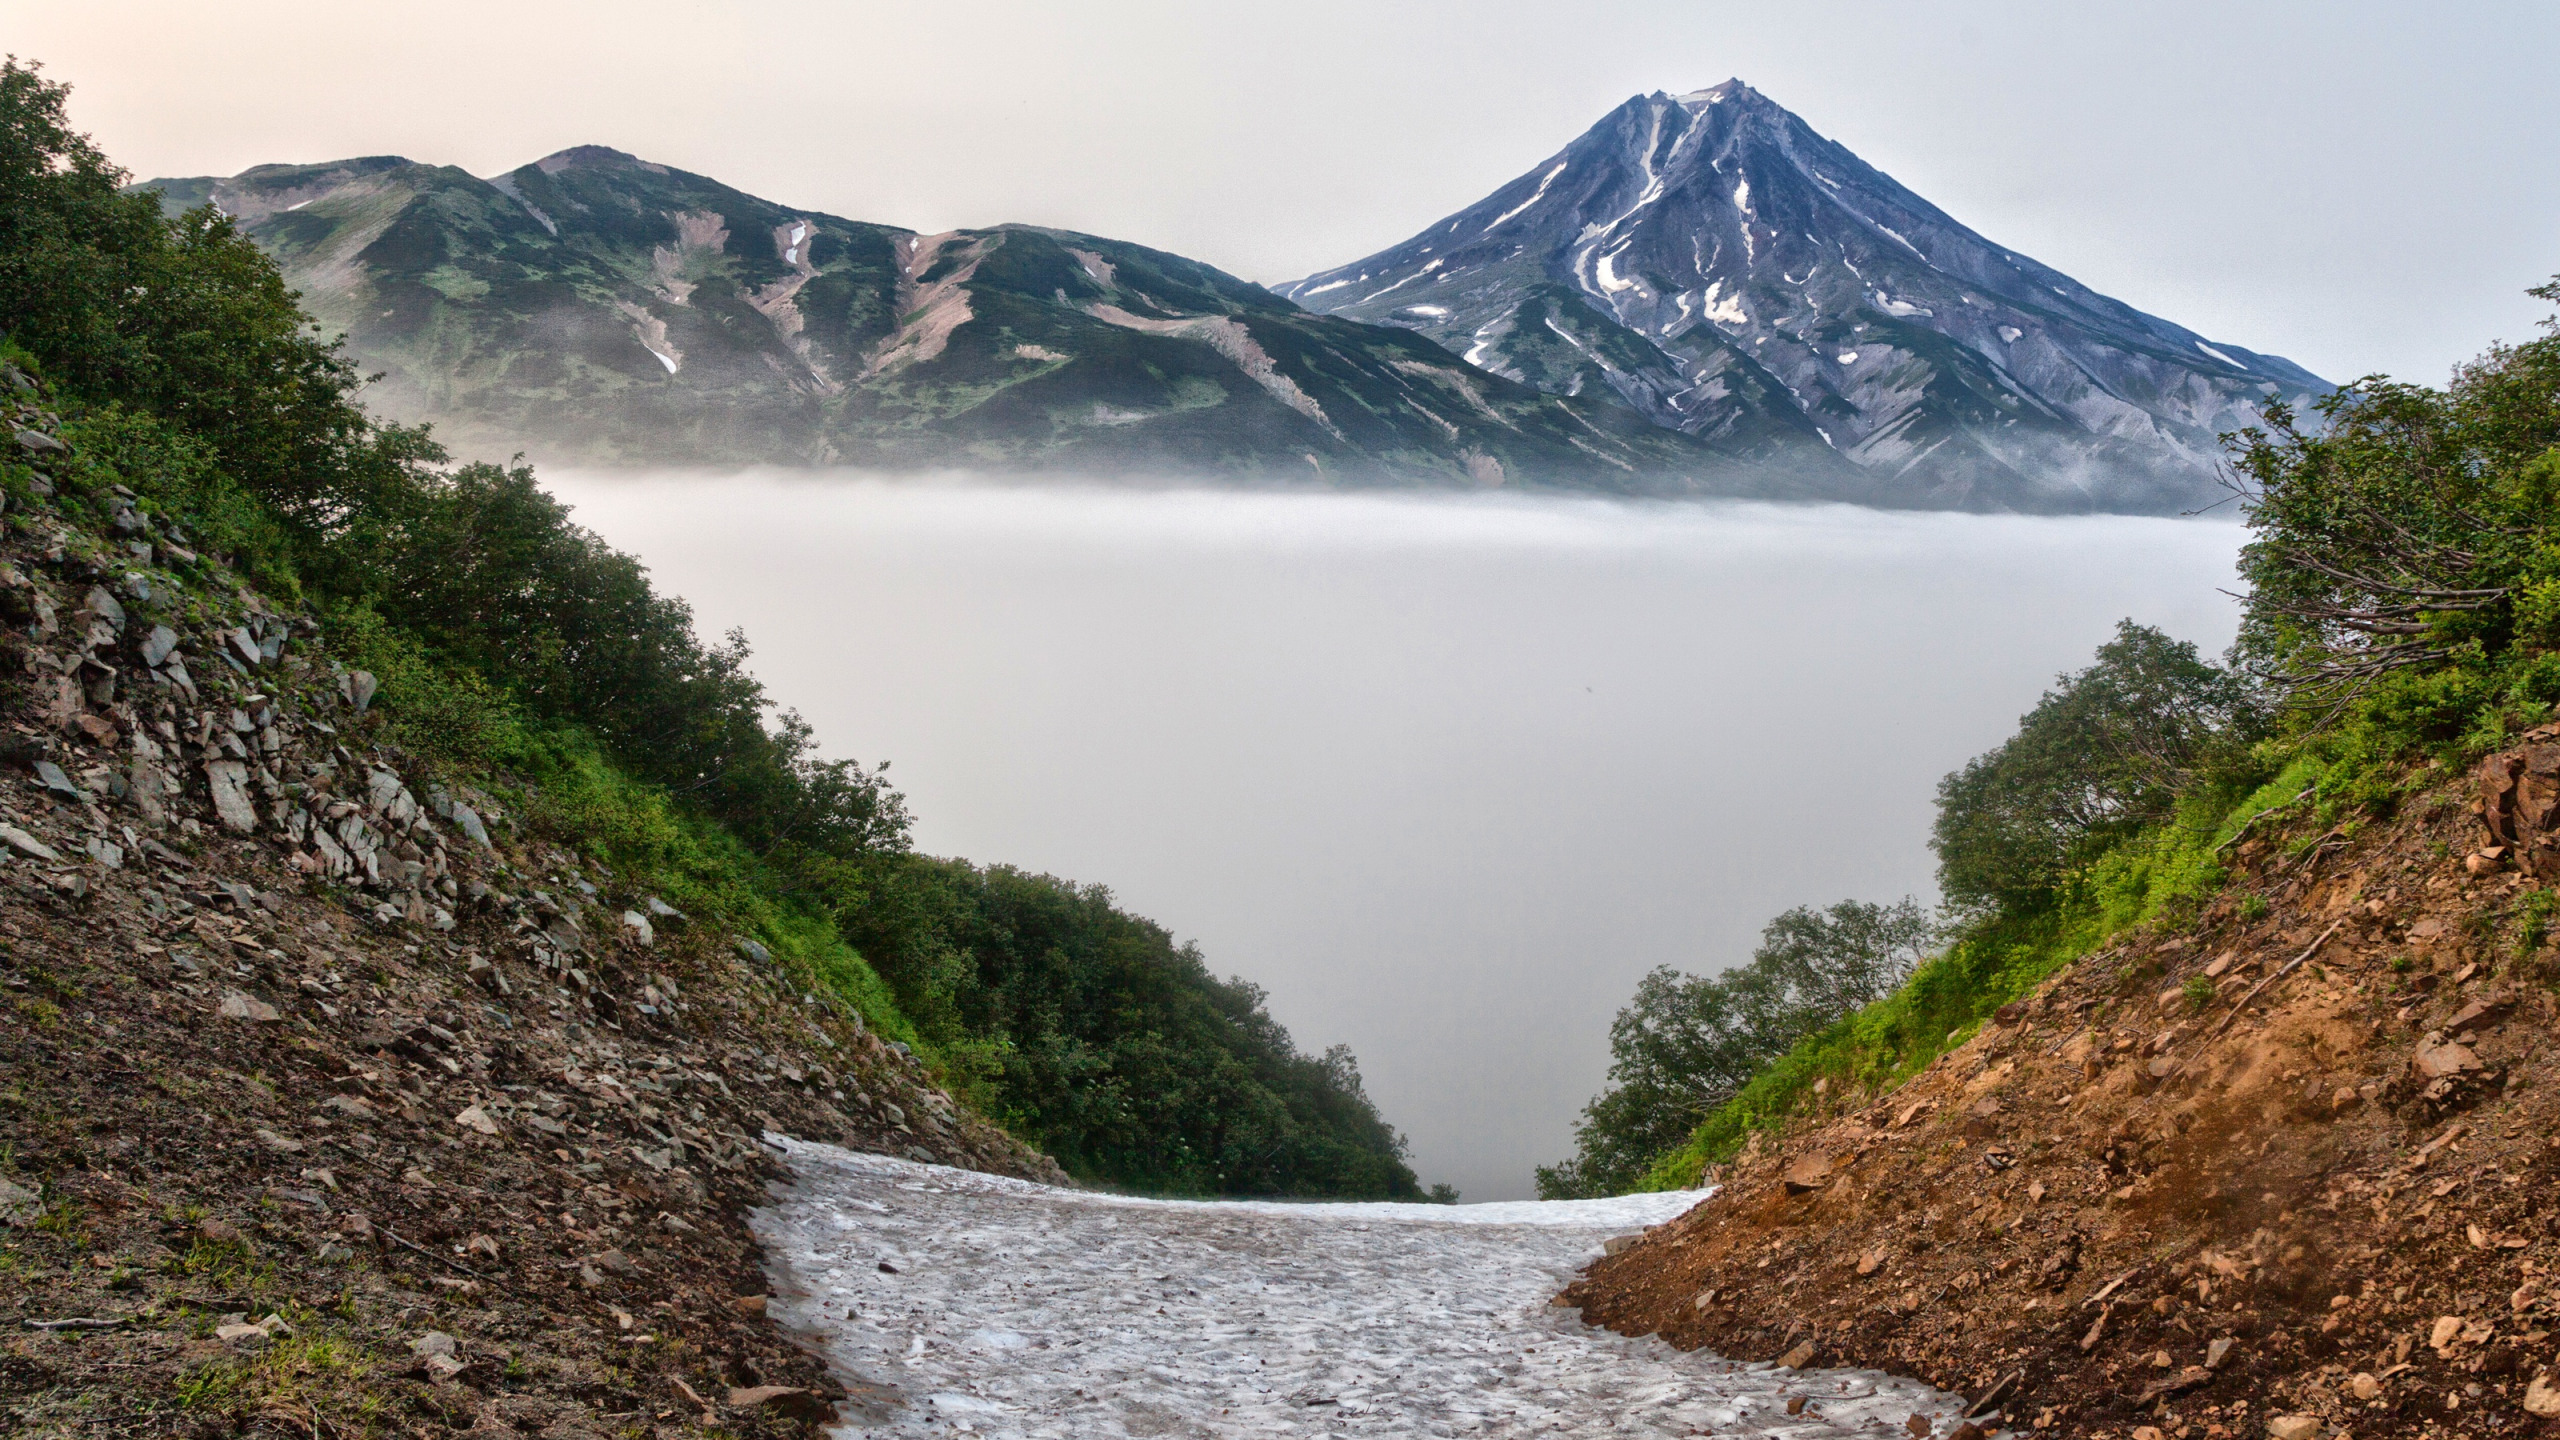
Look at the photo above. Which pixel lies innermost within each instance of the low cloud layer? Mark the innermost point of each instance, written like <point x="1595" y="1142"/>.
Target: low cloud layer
<point x="1446" y="774"/>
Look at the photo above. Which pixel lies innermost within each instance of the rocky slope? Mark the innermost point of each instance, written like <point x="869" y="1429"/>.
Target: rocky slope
<point x="2287" y="1171"/>
<point x="1712" y="262"/>
<point x="597" y="307"/>
<point x="335" y="1101"/>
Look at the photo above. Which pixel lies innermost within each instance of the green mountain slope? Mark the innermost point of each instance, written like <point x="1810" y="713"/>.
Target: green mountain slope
<point x="603" y="308"/>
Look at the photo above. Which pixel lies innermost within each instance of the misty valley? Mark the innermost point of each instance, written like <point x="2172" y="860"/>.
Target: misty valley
<point x="1525" y="750"/>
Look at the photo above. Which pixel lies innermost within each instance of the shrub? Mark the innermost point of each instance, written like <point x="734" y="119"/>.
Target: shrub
<point x="1685" y="1045"/>
<point x="2103" y="754"/>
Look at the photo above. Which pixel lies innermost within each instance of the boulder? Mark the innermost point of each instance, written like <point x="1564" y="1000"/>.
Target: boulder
<point x="2520" y="800"/>
<point x="56" y="782"/>
<point x="18" y="1204"/>
<point x="229" y="781"/>
<point x="102" y="603"/>
<point x="468" y="821"/>
<point x="2542" y="1397"/>
<point x="2437" y="1062"/>
<point x="236" y="1005"/>
<point x="1807" y="1174"/>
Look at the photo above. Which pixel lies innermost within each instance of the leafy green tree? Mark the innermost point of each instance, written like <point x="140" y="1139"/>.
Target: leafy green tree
<point x="182" y="318"/>
<point x="1686" y="1044"/>
<point x="2404" y="551"/>
<point x="2104" y="753"/>
<point x="1113" y="1047"/>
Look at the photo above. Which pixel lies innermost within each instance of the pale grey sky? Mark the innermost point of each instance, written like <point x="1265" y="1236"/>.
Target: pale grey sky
<point x="2358" y="186"/>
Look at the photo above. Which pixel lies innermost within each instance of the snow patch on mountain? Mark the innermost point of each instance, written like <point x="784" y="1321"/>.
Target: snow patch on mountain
<point x="948" y="1300"/>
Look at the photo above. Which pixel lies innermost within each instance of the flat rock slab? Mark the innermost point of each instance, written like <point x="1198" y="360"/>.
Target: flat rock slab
<point x="229" y="780"/>
<point x="1027" y="1310"/>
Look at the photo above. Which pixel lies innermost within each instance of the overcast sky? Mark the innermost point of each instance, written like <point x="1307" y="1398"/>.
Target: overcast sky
<point x="2357" y="186"/>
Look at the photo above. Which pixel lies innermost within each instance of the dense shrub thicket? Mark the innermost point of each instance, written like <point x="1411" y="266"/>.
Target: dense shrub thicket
<point x="515" y="646"/>
<point x="2402" y="618"/>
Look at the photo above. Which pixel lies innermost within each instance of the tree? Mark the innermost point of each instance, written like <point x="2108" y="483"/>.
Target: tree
<point x="181" y="318"/>
<point x="2409" y="529"/>
<point x="2105" y="752"/>
<point x="1686" y="1044"/>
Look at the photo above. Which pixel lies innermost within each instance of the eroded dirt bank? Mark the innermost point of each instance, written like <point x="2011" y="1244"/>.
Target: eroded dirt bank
<point x="2292" y="1170"/>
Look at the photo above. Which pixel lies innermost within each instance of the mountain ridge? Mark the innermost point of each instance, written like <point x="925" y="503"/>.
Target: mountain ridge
<point x="616" y="310"/>
<point x="1740" y="277"/>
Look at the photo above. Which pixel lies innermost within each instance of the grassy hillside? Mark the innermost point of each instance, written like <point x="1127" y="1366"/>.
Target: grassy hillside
<point x="519" y="655"/>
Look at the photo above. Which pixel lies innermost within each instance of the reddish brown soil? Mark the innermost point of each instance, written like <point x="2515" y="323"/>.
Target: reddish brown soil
<point x="2064" y="1215"/>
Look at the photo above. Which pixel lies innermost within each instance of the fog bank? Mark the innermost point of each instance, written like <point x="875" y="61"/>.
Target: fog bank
<point x="1444" y="774"/>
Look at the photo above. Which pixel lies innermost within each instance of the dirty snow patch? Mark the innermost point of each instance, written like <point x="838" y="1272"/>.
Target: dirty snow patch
<point x="1540" y="194"/>
<point x="1020" y="1310"/>
<point x="2218" y="355"/>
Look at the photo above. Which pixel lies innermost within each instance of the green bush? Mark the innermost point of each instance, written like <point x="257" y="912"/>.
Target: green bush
<point x="1685" y="1045"/>
<point x="2103" y="755"/>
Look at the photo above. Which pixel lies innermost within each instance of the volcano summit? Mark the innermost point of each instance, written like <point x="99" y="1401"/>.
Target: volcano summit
<point x="1712" y="262"/>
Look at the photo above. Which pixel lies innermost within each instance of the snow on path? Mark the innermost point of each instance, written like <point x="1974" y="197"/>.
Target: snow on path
<point x="1002" y="1308"/>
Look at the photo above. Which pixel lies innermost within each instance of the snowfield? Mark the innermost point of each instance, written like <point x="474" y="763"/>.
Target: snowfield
<point x="957" y="1303"/>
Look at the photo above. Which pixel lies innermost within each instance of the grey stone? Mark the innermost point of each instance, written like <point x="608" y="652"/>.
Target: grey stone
<point x="51" y="777"/>
<point x="245" y="645"/>
<point x="638" y="924"/>
<point x="360" y="689"/>
<point x="467" y="820"/>
<point x="159" y="645"/>
<point x="236" y="1005"/>
<point x="104" y="606"/>
<point x="434" y="1342"/>
<point x="391" y="799"/>
<point x="755" y="952"/>
<point x="36" y="442"/>
<point x="229" y="780"/>
<point x="18" y="1204"/>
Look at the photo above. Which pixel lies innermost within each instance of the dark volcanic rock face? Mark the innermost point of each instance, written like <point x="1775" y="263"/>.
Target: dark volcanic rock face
<point x="1717" y="266"/>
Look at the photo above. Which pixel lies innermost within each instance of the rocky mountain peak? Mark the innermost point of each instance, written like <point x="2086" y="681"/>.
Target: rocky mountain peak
<point x="1713" y="262"/>
<point x="594" y="157"/>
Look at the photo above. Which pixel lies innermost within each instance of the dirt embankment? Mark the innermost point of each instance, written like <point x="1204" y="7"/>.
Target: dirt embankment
<point x="2291" y="1171"/>
<point x="335" y="1104"/>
